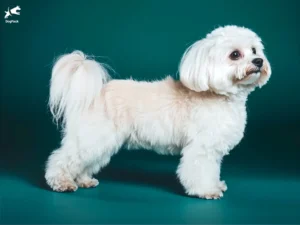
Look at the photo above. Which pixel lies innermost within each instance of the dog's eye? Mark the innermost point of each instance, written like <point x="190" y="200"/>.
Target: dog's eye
<point x="235" y="55"/>
<point x="254" y="51"/>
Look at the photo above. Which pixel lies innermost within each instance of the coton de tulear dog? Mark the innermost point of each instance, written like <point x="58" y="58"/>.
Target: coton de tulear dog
<point x="201" y="117"/>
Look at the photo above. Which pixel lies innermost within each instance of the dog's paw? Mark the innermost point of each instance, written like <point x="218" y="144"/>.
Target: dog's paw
<point x="223" y="185"/>
<point x="212" y="192"/>
<point x="87" y="182"/>
<point x="213" y="195"/>
<point x="62" y="184"/>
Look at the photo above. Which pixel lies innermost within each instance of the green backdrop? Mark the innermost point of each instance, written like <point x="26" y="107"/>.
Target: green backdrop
<point x="145" y="40"/>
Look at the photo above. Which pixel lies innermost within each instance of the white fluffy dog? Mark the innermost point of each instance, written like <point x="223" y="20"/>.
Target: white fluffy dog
<point x="201" y="117"/>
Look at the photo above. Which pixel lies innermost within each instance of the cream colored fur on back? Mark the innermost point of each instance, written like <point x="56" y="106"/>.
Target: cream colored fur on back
<point x="144" y="108"/>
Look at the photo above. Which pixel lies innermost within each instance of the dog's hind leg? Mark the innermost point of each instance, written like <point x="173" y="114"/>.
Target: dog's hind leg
<point x="98" y="140"/>
<point x="73" y="165"/>
<point x="86" y="148"/>
<point x="58" y="174"/>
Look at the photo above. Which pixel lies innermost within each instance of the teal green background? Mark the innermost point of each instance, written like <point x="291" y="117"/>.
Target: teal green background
<point x="145" y="40"/>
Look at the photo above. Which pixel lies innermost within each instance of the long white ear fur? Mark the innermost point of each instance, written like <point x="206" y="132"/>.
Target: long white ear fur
<point x="193" y="68"/>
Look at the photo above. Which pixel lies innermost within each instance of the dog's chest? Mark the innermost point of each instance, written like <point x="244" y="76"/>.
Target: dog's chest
<point x="219" y="127"/>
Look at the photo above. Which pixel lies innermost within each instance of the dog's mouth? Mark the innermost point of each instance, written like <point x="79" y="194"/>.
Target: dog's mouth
<point x="249" y="72"/>
<point x="249" y="77"/>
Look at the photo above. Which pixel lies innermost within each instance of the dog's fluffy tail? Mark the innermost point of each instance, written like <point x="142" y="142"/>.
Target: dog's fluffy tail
<point x="76" y="82"/>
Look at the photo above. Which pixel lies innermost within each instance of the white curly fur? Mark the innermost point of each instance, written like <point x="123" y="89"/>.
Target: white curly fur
<point x="202" y="116"/>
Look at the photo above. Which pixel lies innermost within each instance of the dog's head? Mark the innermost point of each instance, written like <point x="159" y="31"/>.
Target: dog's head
<point x="228" y="60"/>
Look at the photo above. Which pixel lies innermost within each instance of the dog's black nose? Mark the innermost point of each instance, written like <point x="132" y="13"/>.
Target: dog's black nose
<point x="258" y="62"/>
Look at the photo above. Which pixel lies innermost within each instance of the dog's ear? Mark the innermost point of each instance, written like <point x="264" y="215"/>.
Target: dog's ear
<point x="265" y="74"/>
<point x="193" y="68"/>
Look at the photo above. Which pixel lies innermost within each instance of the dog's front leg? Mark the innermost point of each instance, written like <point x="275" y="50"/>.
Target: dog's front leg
<point x="199" y="173"/>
